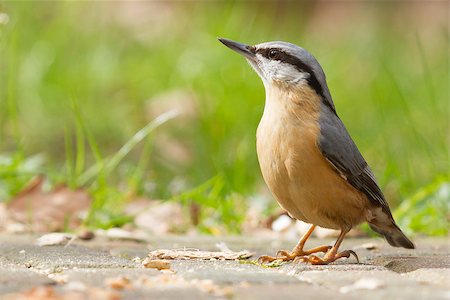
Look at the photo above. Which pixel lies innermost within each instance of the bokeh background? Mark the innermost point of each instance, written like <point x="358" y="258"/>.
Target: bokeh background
<point x="81" y="81"/>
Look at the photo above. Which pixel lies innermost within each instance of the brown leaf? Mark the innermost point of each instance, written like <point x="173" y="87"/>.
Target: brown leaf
<point x="198" y="254"/>
<point x="44" y="211"/>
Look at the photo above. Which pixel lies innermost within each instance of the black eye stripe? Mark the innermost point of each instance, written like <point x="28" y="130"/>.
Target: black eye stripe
<point x="272" y="53"/>
<point x="294" y="61"/>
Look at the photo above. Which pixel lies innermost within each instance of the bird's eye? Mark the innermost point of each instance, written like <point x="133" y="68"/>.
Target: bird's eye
<point x="273" y="53"/>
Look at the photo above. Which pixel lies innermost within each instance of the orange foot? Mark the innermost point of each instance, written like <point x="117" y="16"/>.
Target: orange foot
<point x="283" y="255"/>
<point x="330" y="257"/>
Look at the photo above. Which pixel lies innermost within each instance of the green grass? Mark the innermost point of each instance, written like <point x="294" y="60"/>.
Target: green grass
<point x="78" y="81"/>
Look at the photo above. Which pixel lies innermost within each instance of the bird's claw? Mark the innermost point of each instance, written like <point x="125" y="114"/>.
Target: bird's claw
<point x="351" y="252"/>
<point x="284" y="254"/>
<point x="315" y="260"/>
<point x="266" y="259"/>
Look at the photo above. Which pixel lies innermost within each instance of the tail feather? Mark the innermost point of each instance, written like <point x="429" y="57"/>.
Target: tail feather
<point x="393" y="234"/>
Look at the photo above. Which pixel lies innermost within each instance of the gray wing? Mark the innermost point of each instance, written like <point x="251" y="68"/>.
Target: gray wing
<point x="339" y="149"/>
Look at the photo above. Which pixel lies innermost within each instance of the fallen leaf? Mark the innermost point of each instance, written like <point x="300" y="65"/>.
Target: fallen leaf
<point x="54" y="239"/>
<point x="156" y="264"/>
<point x="198" y="254"/>
<point x="56" y="210"/>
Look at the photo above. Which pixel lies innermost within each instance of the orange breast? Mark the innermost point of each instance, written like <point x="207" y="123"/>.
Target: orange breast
<point x="300" y="178"/>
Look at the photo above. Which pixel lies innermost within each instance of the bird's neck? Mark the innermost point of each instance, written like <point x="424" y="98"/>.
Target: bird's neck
<point x="298" y="102"/>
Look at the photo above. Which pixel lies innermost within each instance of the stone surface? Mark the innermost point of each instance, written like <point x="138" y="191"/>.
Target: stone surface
<point x="107" y="269"/>
<point x="18" y="279"/>
<point x="54" y="258"/>
<point x="231" y="272"/>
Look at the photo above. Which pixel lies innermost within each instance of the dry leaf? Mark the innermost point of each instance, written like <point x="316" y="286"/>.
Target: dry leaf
<point x="54" y="239"/>
<point x="156" y="264"/>
<point x="198" y="254"/>
<point x="49" y="211"/>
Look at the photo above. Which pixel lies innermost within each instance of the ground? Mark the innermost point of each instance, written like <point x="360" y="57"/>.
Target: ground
<point x="108" y="269"/>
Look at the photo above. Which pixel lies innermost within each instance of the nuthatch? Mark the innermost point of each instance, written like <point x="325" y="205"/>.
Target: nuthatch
<point x="307" y="158"/>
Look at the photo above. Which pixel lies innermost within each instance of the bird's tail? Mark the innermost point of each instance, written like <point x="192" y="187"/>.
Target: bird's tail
<point x="393" y="234"/>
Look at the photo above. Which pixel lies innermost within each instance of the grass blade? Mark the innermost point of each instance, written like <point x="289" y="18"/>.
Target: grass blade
<point x="111" y="163"/>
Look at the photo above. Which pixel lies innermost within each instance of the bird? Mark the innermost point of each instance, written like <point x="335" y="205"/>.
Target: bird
<point x="307" y="158"/>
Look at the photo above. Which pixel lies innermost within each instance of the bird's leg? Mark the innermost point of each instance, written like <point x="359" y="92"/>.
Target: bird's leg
<point x="332" y="254"/>
<point x="283" y="255"/>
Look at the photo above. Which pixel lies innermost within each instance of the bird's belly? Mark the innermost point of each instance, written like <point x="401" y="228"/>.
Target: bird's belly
<point x="303" y="182"/>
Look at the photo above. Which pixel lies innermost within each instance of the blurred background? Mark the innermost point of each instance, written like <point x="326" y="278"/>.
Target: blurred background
<point x="88" y="92"/>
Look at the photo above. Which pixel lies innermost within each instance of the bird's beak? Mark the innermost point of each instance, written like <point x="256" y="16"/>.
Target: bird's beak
<point x="246" y="50"/>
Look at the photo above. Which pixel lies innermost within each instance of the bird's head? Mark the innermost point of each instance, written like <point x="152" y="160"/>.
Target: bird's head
<point x="282" y="63"/>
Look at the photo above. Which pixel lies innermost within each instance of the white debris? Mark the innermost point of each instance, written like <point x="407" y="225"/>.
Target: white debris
<point x="53" y="239"/>
<point x="362" y="284"/>
<point x="282" y="223"/>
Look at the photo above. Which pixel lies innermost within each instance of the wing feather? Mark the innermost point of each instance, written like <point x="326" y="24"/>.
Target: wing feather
<point x="341" y="151"/>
